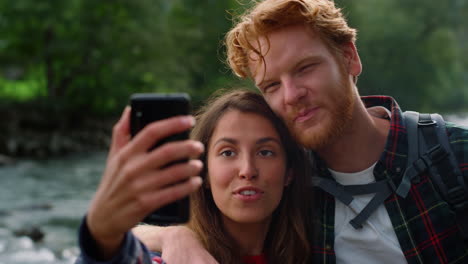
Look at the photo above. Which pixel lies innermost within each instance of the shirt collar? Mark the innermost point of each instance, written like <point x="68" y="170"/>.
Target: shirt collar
<point x="392" y="162"/>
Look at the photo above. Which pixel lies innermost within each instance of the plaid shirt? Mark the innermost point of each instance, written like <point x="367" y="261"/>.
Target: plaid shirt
<point x="423" y="222"/>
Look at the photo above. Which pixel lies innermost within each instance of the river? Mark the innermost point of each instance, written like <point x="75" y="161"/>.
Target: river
<point x="53" y="195"/>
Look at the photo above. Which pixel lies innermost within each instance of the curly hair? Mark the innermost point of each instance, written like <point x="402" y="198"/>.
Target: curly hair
<point x="322" y="16"/>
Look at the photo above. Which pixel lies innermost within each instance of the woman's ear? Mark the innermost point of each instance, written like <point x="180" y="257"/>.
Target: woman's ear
<point x="289" y="177"/>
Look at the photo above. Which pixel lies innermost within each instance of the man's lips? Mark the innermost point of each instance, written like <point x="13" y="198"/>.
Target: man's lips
<point x="306" y="114"/>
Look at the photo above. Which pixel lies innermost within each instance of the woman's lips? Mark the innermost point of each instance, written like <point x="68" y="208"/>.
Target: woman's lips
<point x="248" y="193"/>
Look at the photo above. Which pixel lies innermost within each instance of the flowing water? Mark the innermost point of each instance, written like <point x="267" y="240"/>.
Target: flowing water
<point x="53" y="195"/>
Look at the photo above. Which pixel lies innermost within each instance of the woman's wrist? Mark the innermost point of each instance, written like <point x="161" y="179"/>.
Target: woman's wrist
<point x="107" y="246"/>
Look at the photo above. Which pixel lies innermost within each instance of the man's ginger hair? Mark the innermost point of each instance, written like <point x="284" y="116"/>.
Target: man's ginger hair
<point x="322" y="16"/>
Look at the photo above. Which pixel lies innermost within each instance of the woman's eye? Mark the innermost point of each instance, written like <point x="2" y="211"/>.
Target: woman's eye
<point x="228" y="153"/>
<point x="266" y="153"/>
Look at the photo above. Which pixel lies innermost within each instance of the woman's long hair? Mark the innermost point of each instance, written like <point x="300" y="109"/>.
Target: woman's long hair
<point x="287" y="240"/>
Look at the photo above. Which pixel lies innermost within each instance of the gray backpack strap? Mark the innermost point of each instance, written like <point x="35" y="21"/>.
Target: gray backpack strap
<point x="344" y="193"/>
<point x="429" y="150"/>
<point x="415" y="164"/>
<point x="333" y="188"/>
<point x="446" y="172"/>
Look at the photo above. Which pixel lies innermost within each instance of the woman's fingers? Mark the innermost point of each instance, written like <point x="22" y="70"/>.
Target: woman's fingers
<point x="156" y="199"/>
<point x="121" y="132"/>
<point x="137" y="181"/>
<point x="159" y="179"/>
<point x="169" y="153"/>
<point x="157" y="131"/>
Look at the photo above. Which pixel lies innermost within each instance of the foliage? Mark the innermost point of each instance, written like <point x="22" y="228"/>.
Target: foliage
<point x="94" y="54"/>
<point x="413" y="50"/>
<point x="87" y="54"/>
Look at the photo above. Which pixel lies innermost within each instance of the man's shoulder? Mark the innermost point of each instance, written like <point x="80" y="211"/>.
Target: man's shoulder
<point x="458" y="139"/>
<point x="457" y="134"/>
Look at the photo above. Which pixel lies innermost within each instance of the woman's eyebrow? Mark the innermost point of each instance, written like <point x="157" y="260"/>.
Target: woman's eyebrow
<point x="268" y="139"/>
<point x="224" y="139"/>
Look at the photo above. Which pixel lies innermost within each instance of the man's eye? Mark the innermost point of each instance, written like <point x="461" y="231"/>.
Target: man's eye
<point x="271" y="86"/>
<point x="228" y="153"/>
<point x="307" y="67"/>
<point x="303" y="68"/>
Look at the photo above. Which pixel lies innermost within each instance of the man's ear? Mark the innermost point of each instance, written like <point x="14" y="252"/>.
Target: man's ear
<point x="289" y="177"/>
<point x="351" y="59"/>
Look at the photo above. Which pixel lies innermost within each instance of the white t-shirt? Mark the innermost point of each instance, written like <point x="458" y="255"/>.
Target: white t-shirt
<point x="376" y="241"/>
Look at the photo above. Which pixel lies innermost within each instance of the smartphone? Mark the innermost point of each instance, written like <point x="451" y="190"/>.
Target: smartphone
<point x="150" y="107"/>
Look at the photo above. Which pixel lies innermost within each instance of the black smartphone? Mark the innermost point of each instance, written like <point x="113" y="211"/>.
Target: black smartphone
<point x="150" y="107"/>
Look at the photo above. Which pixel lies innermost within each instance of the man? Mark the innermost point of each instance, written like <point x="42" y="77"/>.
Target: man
<point x="301" y="54"/>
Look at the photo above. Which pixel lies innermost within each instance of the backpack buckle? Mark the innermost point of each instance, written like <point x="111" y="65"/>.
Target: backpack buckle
<point x="457" y="196"/>
<point x="425" y="120"/>
<point x="437" y="153"/>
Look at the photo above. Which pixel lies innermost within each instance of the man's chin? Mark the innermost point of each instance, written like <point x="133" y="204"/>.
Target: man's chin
<point x="313" y="138"/>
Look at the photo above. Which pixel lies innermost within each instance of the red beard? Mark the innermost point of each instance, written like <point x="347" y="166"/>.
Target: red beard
<point x="338" y="107"/>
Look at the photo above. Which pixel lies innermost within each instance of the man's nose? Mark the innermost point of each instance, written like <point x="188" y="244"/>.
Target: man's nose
<point x="248" y="169"/>
<point x="292" y="91"/>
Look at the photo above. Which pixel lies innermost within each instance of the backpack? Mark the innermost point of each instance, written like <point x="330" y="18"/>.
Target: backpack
<point x="428" y="151"/>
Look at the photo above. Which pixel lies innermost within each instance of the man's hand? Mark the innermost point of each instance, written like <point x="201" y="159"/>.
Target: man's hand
<point x="178" y="244"/>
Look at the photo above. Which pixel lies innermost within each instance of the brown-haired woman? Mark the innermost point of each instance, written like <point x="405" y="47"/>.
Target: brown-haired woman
<point x="284" y="239"/>
<point x="251" y="207"/>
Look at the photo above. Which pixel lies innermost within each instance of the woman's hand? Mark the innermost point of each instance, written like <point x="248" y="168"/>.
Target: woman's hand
<point x="136" y="182"/>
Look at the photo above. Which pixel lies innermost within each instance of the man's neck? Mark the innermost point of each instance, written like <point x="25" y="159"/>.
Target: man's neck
<point x="361" y="143"/>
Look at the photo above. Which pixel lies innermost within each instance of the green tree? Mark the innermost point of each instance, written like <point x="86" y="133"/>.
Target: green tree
<point x="411" y="50"/>
<point x="90" y="54"/>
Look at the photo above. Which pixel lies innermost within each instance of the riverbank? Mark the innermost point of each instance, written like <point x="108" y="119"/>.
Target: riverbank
<point x="41" y="132"/>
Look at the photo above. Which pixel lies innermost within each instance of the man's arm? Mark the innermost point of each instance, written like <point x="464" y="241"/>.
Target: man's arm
<point x="178" y="244"/>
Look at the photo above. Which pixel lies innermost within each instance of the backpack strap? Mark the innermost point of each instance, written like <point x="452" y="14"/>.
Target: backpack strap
<point x="344" y="193"/>
<point x="429" y="151"/>
<point x="448" y="177"/>
<point x="418" y="160"/>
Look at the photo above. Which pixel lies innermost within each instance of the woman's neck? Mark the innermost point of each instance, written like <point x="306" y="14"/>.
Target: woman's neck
<point x="249" y="237"/>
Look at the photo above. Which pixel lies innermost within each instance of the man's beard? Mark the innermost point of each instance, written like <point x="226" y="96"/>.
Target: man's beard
<point x="340" y="111"/>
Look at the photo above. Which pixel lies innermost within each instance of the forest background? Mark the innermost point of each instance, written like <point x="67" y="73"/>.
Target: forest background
<point x="67" y="68"/>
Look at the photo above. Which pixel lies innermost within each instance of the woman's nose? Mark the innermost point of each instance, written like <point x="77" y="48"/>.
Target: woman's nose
<point x="248" y="170"/>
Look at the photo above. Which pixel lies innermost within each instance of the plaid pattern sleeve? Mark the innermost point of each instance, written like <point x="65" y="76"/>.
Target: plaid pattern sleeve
<point x="423" y="222"/>
<point x="132" y="251"/>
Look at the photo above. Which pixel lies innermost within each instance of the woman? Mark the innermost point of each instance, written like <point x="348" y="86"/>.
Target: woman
<point x="251" y="206"/>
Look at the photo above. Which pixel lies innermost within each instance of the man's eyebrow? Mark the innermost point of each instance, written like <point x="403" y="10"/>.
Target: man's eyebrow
<point x="311" y="58"/>
<point x="305" y="59"/>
